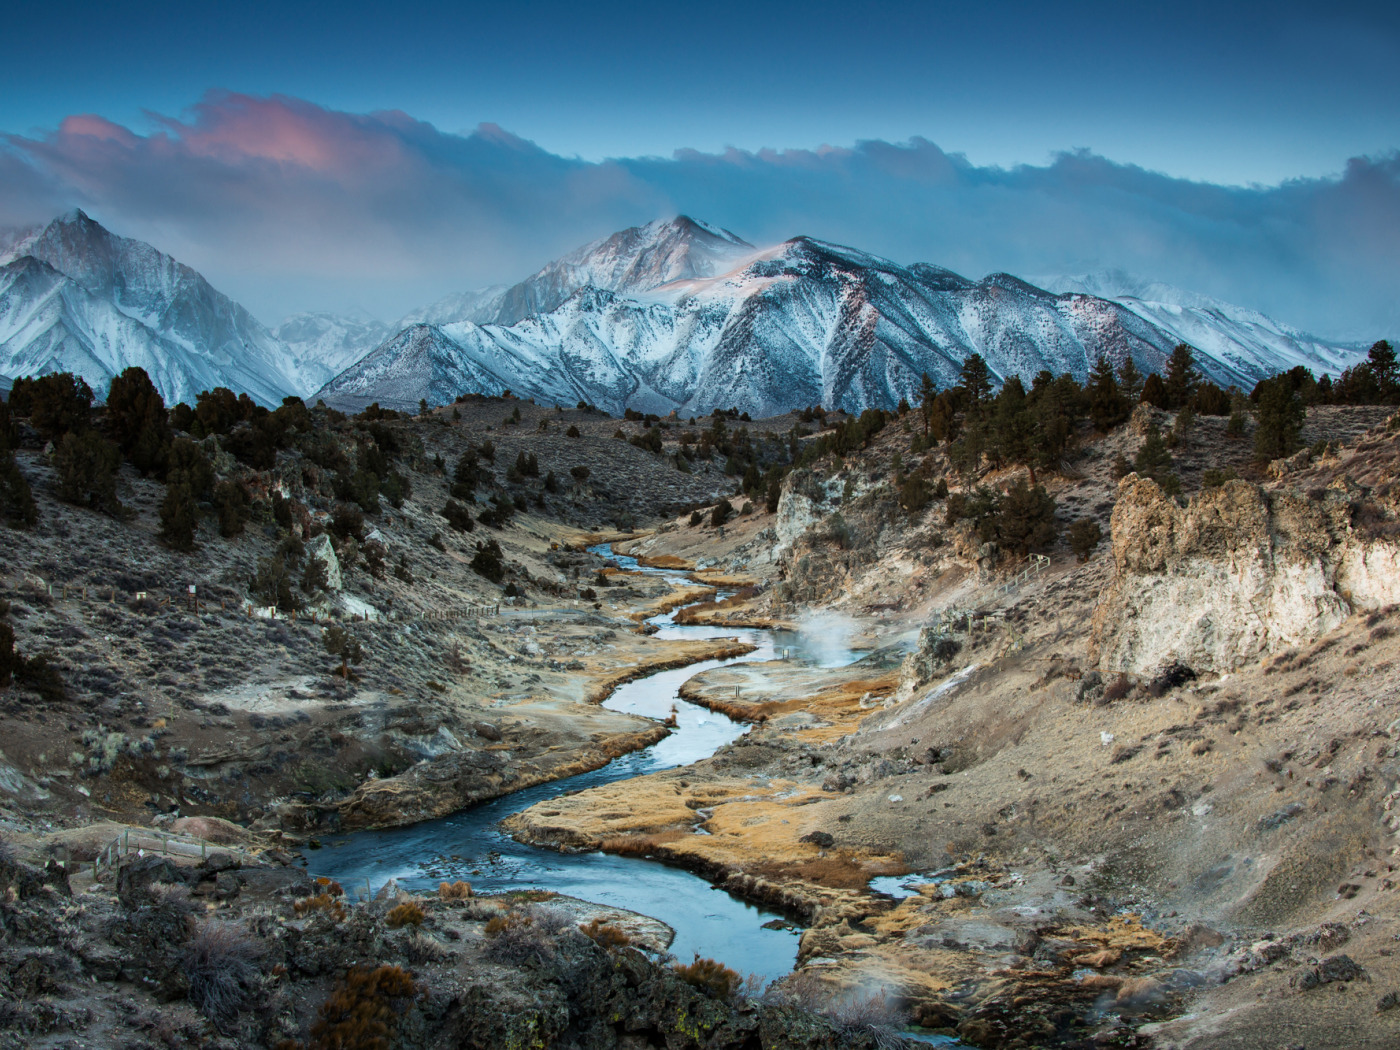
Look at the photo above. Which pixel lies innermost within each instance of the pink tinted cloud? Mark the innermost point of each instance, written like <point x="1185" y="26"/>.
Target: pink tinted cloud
<point x="277" y="199"/>
<point x="234" y="128"/>
<point x="93" y="126"/>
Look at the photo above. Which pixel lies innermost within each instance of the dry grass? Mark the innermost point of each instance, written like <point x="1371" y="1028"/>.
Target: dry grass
<point x="702" y="612"/>
<point x="320" y="902"/>
<point x="454" y="891"/>
<point x="409" y="913"/>
<point x="606" y="935"/>
<point x="710" y="976"/>
<point x="839" y="871"/>
<point x="520" y="937"/>
<point x="640" y="844"/>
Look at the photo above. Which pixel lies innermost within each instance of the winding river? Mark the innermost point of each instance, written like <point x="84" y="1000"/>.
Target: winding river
<point x="470" y="844"/>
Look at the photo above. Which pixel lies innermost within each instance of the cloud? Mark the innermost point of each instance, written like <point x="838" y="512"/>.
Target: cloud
<point x="290" y="205"/>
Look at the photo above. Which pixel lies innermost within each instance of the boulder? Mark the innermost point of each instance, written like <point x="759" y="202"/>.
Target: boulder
<point x="321" y="548"/>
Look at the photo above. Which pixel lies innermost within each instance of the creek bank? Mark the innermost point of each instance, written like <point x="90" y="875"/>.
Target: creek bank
<point x="692" y="652"/>
<point x="228" y="953"/>
<point x="437" y="787"/>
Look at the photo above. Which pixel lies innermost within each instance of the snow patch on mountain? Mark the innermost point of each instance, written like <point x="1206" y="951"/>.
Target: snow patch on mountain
<point x="324" y="345"/>
<point x="683" y="315"/>
<point x="75" y="297"/>
<point x="1218" y="329"/>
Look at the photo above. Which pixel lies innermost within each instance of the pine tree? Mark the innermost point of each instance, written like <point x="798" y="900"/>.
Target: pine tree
<point x="1107" y="405"/>
<point x="59" y="403"/>
<point x="976" y="383"/>
<point x="927" y="393"/>
<point x="1181" y="378"/>
<point x="1381" y="360"/>
<point x="944" y="417"/>
<point x="87" y="469"/>
<point x="1281" y="417"/>
<point x="231" y="504"/>
<point x="1025" y="519"/>
<point x="178" y="518"/>
<point x="1084" y="536"/>
<point x="1012" y="428"/>
<point x="10" y="661"/>
<point x="1155" y="462"/>
<point x="1235" y="427"/>
<point x="1056" y="407"/>
<point x="136" y="419"/>
<point x="1130" y="381"/>
<point x="1154" y="392"/>
<point x="1184" y="423"/>
<point x="17" y="505"/>
<point x="340" y="642"/>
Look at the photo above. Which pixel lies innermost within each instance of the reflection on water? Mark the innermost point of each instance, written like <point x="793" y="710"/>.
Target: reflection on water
<point x="470" y="845"/>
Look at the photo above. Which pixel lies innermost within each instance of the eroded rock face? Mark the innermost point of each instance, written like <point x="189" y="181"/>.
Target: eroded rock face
<point x="322" y="550"/>
<point x="800" y="506"/>
<point x="1241" y="571"/>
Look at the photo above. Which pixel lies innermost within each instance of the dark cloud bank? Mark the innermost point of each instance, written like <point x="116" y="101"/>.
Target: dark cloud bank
<point x="288" y="205"/>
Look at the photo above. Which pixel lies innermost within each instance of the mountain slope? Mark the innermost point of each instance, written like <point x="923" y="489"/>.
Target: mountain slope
<point x="1217" y="328"/>
<point x="50" y="323"/>
<point x="681" y="315"/>
<point x="75" y="297"/>
<point x="324" y="345"/>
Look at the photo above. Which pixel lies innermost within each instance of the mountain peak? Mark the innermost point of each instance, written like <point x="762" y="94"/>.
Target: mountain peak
<point x="692" y="227"/>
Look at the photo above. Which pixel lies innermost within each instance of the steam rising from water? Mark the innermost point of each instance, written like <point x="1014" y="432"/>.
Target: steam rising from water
<point x="826" y="637"/>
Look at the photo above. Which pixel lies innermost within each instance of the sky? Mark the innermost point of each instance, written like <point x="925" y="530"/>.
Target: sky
<point x="319" y="156"/>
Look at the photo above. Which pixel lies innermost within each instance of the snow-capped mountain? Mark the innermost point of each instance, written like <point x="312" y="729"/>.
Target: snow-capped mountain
<point x="683" y="315"/>
<point x="75" y="297"/>
<point x="464" y="306"/>
<point x="1219" y="329"/>
<point x="324" y="345"/>
<point x="677" y="314"/>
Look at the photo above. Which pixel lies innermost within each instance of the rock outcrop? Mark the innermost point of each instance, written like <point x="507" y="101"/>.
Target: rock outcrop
<point x="1241" y="571"/>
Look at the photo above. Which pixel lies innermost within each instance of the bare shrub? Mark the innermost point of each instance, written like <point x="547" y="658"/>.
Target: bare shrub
<point x="221" y="964"/>
<point x="320" y="903"/>
<point x="514" y="938"/>
<point x="710" y="976"/>
<point x="421" y="948"/>
<point x="454" y="891"/>
<point x="606" y="935"/>
<point x="479" y="910"/>
<point x="873" y="1015"/>
<point x="551" y="921"/>
<point x="171" y="895"/>
<point x="851" y="1014"/>
<point x="752" y="989"/>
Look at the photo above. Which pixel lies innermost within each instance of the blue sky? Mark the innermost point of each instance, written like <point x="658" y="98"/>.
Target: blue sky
<point x="1225" y="92"/>
<point x="1251" y="104"/>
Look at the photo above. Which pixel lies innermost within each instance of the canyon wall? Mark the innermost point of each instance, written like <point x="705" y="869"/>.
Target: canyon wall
<point x="1240" y="571"/>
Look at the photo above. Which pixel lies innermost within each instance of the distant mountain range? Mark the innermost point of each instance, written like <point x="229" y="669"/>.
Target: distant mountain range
<point x="672" y="315"/>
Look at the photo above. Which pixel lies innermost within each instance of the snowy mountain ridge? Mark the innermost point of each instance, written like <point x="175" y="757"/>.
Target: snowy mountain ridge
<point x="76" y="297"/>
<point x="670" y="315"/>
<point x="685" y="316"/>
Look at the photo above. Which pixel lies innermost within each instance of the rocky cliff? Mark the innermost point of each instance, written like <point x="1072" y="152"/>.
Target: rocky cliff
<point x="1241" y="571"/>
